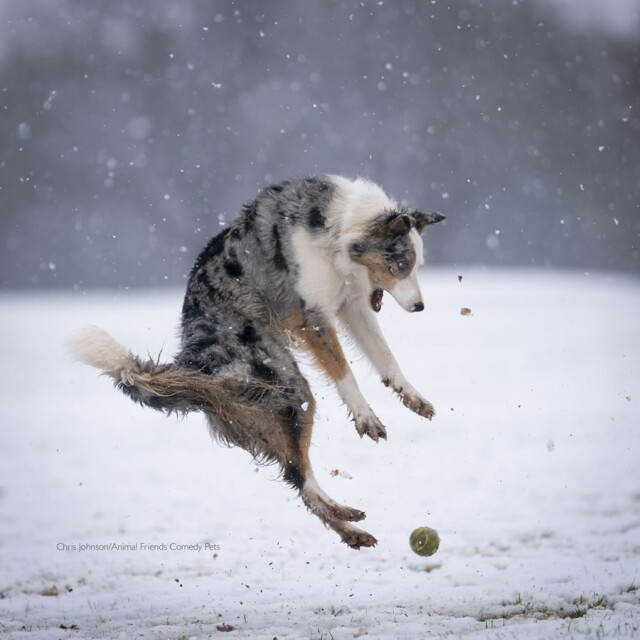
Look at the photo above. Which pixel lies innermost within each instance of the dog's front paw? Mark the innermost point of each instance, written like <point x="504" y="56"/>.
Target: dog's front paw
<point x="418" y="405"/>
<point x="412" y="399"/>
<point x="370" y="425"/>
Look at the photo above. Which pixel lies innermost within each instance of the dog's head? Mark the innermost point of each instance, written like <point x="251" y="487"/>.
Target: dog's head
<point x="391" y="250"/>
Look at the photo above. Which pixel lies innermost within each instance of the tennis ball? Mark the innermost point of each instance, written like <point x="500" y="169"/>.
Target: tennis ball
<point x="424" y="541"/>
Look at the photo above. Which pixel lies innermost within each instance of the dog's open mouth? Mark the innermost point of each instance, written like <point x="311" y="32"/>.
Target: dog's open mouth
<point x="376" y="299"/>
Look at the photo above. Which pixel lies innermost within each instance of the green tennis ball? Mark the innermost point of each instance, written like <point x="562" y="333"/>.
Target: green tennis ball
<point x="424" y="541"/>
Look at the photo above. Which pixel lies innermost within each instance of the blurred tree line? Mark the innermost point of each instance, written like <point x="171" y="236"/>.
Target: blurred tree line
<point x="132" y="131"/>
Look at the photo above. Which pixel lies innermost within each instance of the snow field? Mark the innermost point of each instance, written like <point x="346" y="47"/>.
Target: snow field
<point x="529" y="472"/>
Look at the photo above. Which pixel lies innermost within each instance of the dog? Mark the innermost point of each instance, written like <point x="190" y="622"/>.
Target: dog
<point x="302" y="257"/>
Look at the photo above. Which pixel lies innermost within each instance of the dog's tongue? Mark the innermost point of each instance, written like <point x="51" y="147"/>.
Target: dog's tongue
<point x="376" y="300"/>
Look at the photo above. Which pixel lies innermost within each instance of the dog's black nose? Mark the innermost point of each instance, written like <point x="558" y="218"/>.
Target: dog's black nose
<point x="418" y="306"/>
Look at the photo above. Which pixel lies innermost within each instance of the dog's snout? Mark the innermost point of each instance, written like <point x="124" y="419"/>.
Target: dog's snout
<point x="418" y="306"/>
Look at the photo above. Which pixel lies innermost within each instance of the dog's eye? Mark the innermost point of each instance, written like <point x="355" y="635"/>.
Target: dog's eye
<point x="395" y="267"/>
<point x="399" y="267"/>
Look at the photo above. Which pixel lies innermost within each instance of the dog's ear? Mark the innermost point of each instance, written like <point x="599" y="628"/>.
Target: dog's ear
<point x="421" y="220"/>
<point x="389" y="225"/>
<point x="398" y="225"/>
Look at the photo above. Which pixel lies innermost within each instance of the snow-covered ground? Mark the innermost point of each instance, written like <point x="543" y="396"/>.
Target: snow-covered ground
<point x="530" y="472"/>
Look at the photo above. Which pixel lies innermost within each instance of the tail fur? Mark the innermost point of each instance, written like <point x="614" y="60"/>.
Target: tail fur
<point x="165" y="387"/>
<point x="98" y="349"/>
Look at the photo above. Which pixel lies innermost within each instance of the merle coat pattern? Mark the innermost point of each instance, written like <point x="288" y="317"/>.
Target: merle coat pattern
<point x="301" y="256"/>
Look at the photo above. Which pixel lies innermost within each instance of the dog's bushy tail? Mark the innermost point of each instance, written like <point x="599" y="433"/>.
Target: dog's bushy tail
<point x="163" y="386"/>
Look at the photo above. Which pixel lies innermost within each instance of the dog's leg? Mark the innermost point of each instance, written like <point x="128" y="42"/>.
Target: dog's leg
<point x="293" y="444"/>
<point x="359" y="320"/>
<point x="333" y="515"/>
<point x="322" y="340"/>
<point x="292" y="447"/>
<point x="326" y="508"/>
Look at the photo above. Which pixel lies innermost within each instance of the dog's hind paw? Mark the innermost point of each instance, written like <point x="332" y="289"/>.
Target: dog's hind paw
<point x="341" y="512"/>
<point x="370" y="426"/>
<point x="352" y="536"/>
<point x="329" y="510"/>
<point x="358" y="538"/>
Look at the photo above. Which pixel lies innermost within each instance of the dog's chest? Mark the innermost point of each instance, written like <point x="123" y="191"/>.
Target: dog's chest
<point x="320" y="283"/>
